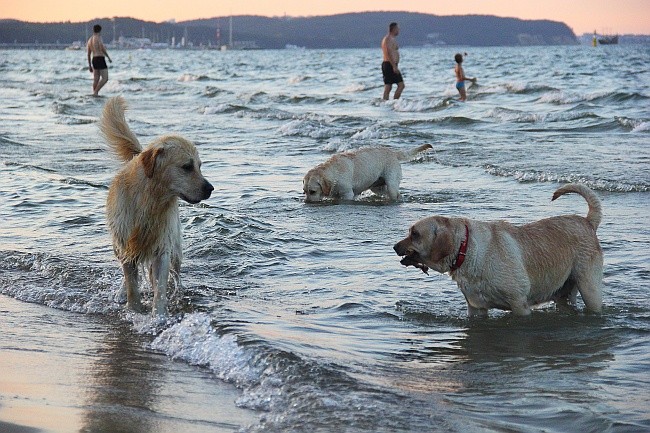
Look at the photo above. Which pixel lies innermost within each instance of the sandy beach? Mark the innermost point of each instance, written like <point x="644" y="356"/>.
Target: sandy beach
<point x="62" y="372"/>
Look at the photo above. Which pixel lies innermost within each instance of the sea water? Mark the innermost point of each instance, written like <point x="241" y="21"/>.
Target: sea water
<point x="305" y="308"/>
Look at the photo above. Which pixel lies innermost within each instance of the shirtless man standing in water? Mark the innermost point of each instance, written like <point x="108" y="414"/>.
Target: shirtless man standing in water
<point x="98" y="65"/>
<point x="389" y="68"/>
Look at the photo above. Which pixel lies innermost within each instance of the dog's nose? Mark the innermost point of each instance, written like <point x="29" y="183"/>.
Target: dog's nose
<point x="399" y="248"/>
<point x="207" y="189"/>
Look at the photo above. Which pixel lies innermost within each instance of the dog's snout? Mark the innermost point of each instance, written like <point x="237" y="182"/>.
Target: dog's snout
<point x="207" y="189"/>
<point x="399" y="248"/>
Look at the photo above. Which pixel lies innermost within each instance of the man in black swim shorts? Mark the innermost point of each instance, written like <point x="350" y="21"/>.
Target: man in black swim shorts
<point x="389" y="69"/>
<point x="96" y="49"/>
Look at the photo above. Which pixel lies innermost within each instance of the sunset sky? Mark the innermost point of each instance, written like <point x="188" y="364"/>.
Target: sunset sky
<point x="583" y="16"/>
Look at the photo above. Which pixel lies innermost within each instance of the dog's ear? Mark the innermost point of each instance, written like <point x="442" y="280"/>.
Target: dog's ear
<point x="325" y="186"/>
<point x="149" y="157"/>
<point x="442" y="244"/>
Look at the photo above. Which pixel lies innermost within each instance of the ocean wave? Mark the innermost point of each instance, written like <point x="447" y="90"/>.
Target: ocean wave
<point x="308" y="99"/>
<point x="62" y="283"/>
<point x="83" y="182"/>
<point x="633" y="125"/>
<point x="223" y="108"/>
<point x="192" y="77"/>
<point x="529" y="176"/>
<point x="510" y="115"/>
<point x="520" y="88"/>
<point x="61" y="108"/>
<point x="211" y="91"/>
<point x="298" y="79"/>
<point x="4" y="141"/>
<point x="74" y="120"/>
<point x="288" y="388"/>
<point x="560" y="97"/>
<point x="419" y="105"/>
<point x="311" y="128"/>
<point x="357" y="88"/>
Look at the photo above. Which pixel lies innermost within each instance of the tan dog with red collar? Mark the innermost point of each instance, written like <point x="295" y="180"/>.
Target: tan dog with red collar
<point x="499" y="265"/>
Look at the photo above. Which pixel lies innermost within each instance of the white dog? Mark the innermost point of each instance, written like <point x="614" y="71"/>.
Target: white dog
<point x="142" y="204"/>
<point x="348" y="174"/>
<point x="499" y="265"/>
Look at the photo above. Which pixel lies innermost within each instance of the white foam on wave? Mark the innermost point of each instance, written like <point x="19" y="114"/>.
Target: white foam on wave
<point x="417" y="105"/>
<point x="216" y="109"/>
<point x="189" y="77"/>
<point x="559" y="97"/>
<point x="194" y="340"/>
<point x="506" y="115"/>
<point x="48" y="282"/>
<point x="297" y="79"/>
<point x="372" y="132"/>
<point x="355" y="88"/>
<point x="526" y="176"/>
<point x="307" y="128"/>
<point x="639" y="126"/>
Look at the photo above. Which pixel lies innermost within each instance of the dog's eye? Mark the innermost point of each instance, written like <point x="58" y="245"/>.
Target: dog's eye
<point x="312" y="192"/>
<point x="415" y="235"/>
<point x="188" y="167"/>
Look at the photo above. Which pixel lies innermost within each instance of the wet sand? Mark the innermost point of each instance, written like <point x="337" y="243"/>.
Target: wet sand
<point x="66" y="372"/>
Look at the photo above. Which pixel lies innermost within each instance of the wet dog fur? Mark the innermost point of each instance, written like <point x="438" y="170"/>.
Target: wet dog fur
<point x="142" y="204"/>
<point x="515" y="267"/>
<point x="346" y="175"/>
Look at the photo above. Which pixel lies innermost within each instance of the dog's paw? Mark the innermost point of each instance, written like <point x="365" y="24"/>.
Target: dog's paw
<point x="136" y="306"/>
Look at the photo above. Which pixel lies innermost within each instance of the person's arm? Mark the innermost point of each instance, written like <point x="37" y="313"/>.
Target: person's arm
<point x="392" y="55"/>
<point x="106" y="53"/>
<point x="89" y="51"/>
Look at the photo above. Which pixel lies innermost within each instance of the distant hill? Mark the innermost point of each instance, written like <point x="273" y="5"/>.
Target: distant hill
<point x="354" y="30"/>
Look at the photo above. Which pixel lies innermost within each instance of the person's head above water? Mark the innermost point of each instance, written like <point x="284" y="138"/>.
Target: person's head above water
<point x="459" y="58"/>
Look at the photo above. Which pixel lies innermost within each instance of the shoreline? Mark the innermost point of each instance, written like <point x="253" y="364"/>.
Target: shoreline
<point x="63" y="372"/>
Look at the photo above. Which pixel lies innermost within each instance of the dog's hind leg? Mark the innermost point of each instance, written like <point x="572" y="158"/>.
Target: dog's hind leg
<point x="131" y="284"/>
<point x="159" y="274"/>
<point x="590" y="286"/>
<point x="393" y="180"/>
<point x="566" y="296"/>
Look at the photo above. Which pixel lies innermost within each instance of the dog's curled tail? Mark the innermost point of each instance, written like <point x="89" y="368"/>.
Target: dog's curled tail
<point x="410" y="154"/>
<point x="595" y="214"/>
<point x="116" y="131"/>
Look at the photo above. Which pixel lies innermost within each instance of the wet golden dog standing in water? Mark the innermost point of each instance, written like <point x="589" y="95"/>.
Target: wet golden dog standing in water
<point x="499" y="265"/>
<point x="142" y="205"/>
<point x="346" y="175"/>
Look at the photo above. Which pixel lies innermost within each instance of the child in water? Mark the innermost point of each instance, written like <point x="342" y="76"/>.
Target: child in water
<point x="460" y="77"/>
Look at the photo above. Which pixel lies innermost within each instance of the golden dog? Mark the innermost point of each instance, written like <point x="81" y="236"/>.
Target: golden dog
<point x="142" y="205"/>
<point x="499" y="265"/>
<point x="348" y="174"/>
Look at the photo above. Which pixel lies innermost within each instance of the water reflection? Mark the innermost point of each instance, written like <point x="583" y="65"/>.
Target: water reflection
<point x="123" y="385"/>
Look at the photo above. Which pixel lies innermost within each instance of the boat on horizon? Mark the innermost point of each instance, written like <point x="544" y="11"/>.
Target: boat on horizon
<point x="608" y="40"/>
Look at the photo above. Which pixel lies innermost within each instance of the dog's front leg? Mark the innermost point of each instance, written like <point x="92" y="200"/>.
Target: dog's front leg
<point x="130" y="270"/>
<point x="347" y="194"/>
<point x="476" y="312"/>
<point x="159" y="280"/>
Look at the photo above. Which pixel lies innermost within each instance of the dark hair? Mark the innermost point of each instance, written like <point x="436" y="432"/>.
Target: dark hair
<point x="97" y="28"/>
<point x="391" y="26"/>
<point x="459" y="58"/>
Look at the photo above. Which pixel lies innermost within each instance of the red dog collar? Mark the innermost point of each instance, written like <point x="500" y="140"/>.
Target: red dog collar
<point x="460" y="257"/>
